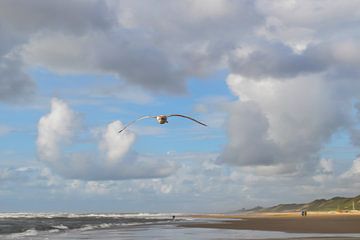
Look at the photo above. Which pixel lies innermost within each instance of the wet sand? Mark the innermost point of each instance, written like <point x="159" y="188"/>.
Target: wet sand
<point x="332" y="223"/>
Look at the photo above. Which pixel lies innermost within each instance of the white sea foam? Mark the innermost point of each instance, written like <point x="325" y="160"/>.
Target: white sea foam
<point x="61" y="227"/>
<point x="27" y="233"/>
<point x="105" y="225"/>
<point x="87" y="228"/>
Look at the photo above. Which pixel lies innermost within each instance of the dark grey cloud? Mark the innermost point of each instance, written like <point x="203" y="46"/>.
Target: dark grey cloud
<point x="75" y="16"/>
<point x="9" y="39"/>
<point x="157" y="48"/>
<point x="15" y="85"/>
<point x="158" y="45"/>
<point x="133" y="58"/>
<point x="125" y="54"/>
<point x="279" y="61"/>
<point x="321" y="16"/>
<point x="21" y="20"/>
<point x="293" y="41"/>
<point x="196" y="36"/>
<point x="252" y="146"/>
<point x="190" y="21"/>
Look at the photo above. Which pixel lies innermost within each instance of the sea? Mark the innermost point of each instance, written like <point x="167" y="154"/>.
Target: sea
<point x="126" y="226"/>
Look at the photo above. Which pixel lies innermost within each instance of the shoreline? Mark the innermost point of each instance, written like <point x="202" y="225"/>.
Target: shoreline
<point x="314" y="222"/>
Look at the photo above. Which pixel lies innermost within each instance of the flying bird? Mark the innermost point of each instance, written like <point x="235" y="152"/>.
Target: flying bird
<point x="162" y="119"/>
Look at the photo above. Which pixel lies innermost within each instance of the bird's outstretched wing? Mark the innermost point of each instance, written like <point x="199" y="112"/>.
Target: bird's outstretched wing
<point x="141" y="118"/>
<point x="179" y="115"/>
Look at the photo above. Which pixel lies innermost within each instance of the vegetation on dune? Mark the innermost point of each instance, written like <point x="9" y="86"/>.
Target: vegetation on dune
<point x="319" y="205"/>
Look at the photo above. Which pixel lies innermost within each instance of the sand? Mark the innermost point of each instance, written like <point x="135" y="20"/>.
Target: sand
<point x="333" y="223"/>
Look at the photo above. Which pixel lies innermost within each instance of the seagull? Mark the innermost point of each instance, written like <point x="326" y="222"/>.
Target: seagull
<point x="162" y="119"/>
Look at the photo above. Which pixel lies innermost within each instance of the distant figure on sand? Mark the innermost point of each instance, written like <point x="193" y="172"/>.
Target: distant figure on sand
<point x="303" y="213"/>
<point x="173" y="217"/>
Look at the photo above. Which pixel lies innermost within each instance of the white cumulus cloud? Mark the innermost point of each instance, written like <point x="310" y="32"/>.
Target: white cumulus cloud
<point x="116" y="145"/>
<point x="354" y="171"/>
<point x="278" y="122"/>
<point x="111" y="159"/>
<point x="56" y="129"/>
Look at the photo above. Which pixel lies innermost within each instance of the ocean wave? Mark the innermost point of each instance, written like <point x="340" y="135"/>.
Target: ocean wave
<point x="87" y="215"/>
<point x="27" y="224"/>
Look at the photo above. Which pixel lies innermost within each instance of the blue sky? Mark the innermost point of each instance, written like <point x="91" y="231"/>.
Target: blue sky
<point x="276" y="82"/>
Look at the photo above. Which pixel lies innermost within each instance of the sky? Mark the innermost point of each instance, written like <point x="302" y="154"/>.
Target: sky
<point x="277" y="83"/>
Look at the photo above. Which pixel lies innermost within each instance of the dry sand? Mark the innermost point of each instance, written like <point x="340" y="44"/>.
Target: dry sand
<point x="332" y="223"/>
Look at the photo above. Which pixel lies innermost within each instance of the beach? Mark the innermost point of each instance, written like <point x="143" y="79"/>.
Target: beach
<point x="330" y="223"/>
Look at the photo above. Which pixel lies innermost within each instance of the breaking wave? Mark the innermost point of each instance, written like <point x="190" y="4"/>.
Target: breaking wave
<point x="18" y="225"/>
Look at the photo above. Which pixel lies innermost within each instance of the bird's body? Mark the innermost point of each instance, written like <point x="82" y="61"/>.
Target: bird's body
<point x="162" y="119"/>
